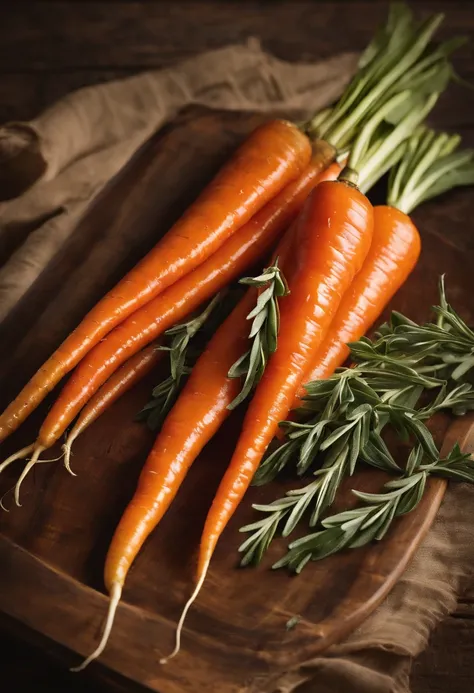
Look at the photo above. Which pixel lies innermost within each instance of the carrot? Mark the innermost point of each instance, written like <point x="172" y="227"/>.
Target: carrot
<point x="330" y="243"/>
<point x="146" y="324"/>
<point x="431" y="165"/>
<point x="196" y="416"/>
<point x="128" y="375"/>
<point x="393" y="254"/>
<point x="124" y="555"/>
<point x="273" y="155"/>
<point x="138" y="366"/>
<point x="201" y="408"/>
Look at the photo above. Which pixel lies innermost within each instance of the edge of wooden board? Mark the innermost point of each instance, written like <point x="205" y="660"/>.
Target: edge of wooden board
<point x="79" y="610"/>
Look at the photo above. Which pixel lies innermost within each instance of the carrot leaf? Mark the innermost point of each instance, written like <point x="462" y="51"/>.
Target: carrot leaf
<point x="405" y="46"/>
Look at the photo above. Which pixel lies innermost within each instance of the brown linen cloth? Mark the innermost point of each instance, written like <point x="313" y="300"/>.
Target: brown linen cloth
<point x="69" y="152"/>
<point x="51" y="169"/>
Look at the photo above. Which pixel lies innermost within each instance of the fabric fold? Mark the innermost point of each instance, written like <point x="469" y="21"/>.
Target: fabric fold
<point x="64" y="157"/>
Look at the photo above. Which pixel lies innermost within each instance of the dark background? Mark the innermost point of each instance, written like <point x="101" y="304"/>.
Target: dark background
<point x="48" y="48"/>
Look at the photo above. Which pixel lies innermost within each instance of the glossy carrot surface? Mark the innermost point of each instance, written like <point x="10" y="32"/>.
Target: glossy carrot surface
<point x="197" y="414"/>
<point x="393" y="254"/>
<point x="331" y="241"/>
<point x="128" y="375"/>
<point x="273" y="155"/>
<point x="200" y="410"/>
<point x="227" y="264"/>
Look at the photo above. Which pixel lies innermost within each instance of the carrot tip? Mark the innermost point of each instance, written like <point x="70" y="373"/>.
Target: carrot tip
<point x="67" y="454"/>
<point x="115" y="594"/>
<point x="28" y="467"/>
<point x="2" y="505"/>
<point x="187" y="606"/>
<point x="19" y="455"/>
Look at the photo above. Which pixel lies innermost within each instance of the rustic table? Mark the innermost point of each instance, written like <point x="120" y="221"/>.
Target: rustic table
<point x="50" y="48"/>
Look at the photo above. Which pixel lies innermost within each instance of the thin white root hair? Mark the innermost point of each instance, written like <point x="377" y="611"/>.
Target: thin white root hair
<point x="67" y="452"/>
<point x="51" y="459"/>
<point x="2" y="506"/>
<point x="115" y="594"/>
<point x="18" y="455"/>
<point x="28" y="467"/>
<point x="187" y="606"/>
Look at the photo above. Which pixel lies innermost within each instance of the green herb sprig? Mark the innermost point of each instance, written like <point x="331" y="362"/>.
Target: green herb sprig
<point x="371" y="521"/>
<point x="263" y="330"/>
<point x="341" y="422"/>
<point x="183" y="352"/>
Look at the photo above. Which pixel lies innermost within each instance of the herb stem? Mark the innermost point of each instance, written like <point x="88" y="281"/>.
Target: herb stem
<point x="399" y="380"/>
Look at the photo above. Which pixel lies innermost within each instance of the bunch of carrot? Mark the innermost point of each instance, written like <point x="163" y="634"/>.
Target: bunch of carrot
<point x="282" y="195"/>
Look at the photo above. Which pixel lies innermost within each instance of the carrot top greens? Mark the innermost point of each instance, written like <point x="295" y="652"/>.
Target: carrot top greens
<point x="431" y="165"/>
<point x="400" y="58"/>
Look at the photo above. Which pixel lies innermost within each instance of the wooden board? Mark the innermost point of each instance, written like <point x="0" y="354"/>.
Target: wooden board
<point x="53" y="547"/>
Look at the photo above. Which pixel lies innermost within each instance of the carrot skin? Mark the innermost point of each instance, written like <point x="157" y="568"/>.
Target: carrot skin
<point x="269" y="159"/>
<point x="392" y="256"/>
<point x="252" y="242"/>
<point x="331" y="172"/>
<point x="120" y="382"/>
<point x="197" y="414"/>
<point x="332" y="239"/>
<point x="284" y="247"/>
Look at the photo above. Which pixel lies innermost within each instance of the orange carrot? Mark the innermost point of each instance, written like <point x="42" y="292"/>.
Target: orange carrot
<point x="273" y="155"/>
<point x="393" y="254"/>
<point x="224" y="266"/>
<point x="198" y="413"/>
<point x="196" y="416"/>
<point x="139" y="365"/>
<point x="128" y="375"/>
<point x="330" y="243"/>
<point x="146" y="324"/>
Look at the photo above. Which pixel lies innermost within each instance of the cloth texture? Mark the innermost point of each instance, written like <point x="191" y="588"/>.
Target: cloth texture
<point x="53" y="167"/>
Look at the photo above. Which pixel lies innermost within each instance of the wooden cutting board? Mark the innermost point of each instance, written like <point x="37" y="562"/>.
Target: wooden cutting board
<point x="52" y="548"/>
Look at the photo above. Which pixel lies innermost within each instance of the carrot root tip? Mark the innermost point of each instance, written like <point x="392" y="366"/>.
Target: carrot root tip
<point x="18" y="455"/>
<point x="67" y="454"/>
<point x="187" y="606"/>
<point x="28" y="467"/>
<point x="2" y="505"/>
<point x="115" y="594"/>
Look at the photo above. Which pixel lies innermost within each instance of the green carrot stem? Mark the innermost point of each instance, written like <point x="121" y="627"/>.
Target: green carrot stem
<point x="430" y="166"/>
<point x="371" y="161"/>
<point x="403" y="63"/>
